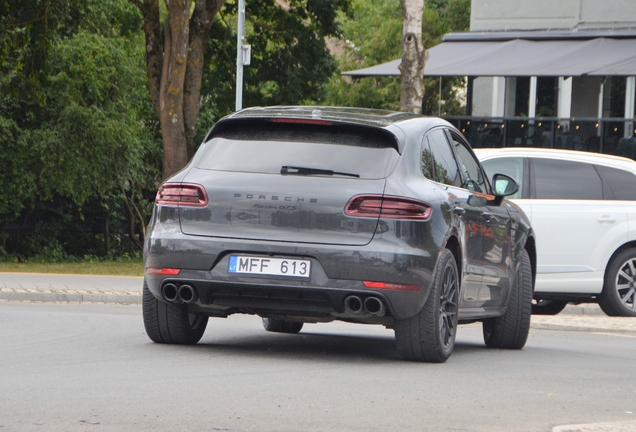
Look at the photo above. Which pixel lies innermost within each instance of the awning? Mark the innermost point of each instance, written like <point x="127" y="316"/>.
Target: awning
<point x="522" y="57"/>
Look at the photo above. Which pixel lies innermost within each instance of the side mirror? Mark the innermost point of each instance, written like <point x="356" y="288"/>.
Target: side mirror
<point x="504" y="185"/>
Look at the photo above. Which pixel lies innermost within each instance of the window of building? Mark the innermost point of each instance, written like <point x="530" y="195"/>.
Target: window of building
<point x="547" y="88"/>
<point x="614" y="97"/>
<point x="522" y="96"/>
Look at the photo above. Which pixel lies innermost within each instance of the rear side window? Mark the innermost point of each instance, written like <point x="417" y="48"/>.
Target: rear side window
<point x="559" y="179"/>
<point x="428" y="162"/>
<point x="470" y="167"/>
<point x="622" y="183"/>
<point x="265" y="147"/>
<point x="512" y="166"/>
<point x="445" y="165"/>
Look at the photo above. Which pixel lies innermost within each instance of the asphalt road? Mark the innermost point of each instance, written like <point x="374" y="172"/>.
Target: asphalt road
<point x="66" y="367"/>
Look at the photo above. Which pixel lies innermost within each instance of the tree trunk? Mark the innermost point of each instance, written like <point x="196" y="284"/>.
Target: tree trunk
<point x="131" y="220"/>
<point x="174" y="71"/>
<point x="107" y="232"/>
<point x="200" y="23"/>
<point x="175" y="61"/>
<point x="413" y="58"/>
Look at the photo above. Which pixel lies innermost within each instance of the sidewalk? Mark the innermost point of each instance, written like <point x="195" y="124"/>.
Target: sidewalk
<point x="127" y="290"/>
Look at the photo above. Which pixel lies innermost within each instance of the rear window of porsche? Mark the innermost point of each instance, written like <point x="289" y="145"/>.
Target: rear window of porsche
<point x="266" y="147"/>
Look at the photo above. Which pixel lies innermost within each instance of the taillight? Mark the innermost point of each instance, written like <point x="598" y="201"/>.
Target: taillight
<point x="182" y="194"/>
<point x="392" y="286"/>
<point x="163" y="271"/>
<point x="388" y="207"/>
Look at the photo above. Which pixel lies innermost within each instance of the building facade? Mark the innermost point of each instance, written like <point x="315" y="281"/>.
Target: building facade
<point x="589" y="98"/>
<point x="547" y="73"/>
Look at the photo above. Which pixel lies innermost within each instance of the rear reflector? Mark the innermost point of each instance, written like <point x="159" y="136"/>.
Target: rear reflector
<point x="388" y="207"/>
<point x="182" y="194"/>
<point x="392" y="286"/>
<point x="304" y="121"/>
<point x="163" y="271"/>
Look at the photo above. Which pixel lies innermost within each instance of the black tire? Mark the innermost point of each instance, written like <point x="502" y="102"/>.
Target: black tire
<point x="510" y="331"/>
<point x="430" y="335"/>
<point x="170" y="323"/>
<point x="548" y="307"/>
<point x="282" y="326"/>
<point x="619" y="288"/>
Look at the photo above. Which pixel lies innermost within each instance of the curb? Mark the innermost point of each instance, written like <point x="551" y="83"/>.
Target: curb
<point x="584" y="309"/>
<point x="581" y="328"/>
<point x="628" y="426"/>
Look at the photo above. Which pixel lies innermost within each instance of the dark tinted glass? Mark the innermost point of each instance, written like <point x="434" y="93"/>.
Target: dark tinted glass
<point x="266" y="147"/>
<point x="558" y="179"/>
<point x="350" y="135"/>
<point x="428" y="163"/>
<point x="470" y="167"/>
<point x="446" y="170"/>
<point x="622" y="183"/>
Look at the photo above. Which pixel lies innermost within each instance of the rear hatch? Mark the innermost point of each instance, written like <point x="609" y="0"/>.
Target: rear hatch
<point x="288" y="181"/>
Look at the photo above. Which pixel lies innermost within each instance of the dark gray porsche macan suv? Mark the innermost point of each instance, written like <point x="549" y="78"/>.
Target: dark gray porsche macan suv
<point x="315" y="214"/>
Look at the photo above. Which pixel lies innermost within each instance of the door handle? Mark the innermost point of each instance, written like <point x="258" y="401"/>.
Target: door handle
<point x="486" y="216"/>
<point x="606" y="219"/>
<point x="459" y="211"/>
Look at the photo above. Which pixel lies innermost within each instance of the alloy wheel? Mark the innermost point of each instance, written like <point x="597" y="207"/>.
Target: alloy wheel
<point x="448" y="307"/>
<point x="626" y="284"/>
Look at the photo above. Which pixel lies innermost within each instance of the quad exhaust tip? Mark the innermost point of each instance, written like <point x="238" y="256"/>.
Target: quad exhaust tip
<point x="187" y="294"/>
<point x="353" y="304"/>
<point x="182" y="294"/>
<point x="374" y="306"/>
<point x="369" y="306"/>
<point x="170" y="292"/>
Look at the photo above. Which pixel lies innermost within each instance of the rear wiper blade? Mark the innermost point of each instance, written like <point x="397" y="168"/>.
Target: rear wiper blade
<point x="295" y="170"/>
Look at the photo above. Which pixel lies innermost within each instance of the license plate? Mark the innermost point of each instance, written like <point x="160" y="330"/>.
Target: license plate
<point x="269" y="266"/>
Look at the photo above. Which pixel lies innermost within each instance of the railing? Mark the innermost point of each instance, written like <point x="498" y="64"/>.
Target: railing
<point x="606" y="135"/>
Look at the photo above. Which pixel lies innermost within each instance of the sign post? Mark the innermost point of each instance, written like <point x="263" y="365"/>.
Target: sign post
<point x="243" y="55"/>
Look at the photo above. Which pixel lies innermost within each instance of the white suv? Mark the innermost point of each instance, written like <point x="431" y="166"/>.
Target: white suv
<point x="582" y="207"/>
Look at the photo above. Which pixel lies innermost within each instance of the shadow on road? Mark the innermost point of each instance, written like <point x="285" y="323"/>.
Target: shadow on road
<point x="309" y="345"/>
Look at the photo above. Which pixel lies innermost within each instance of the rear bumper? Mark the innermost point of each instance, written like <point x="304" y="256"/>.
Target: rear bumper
<point x="307" y="303"/>
<point x="336" y="273"/>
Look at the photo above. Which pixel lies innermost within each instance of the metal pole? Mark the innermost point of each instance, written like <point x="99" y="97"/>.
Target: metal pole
<point x="439" y="99"/>
<point x="469" y="96"/>
<point x="240" y="38"/>
<point x="532" y="102"/>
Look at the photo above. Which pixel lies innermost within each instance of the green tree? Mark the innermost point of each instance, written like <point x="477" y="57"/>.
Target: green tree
<point x="80" y="109"/>
<point x="290" y="59"/>
<point x="372" y="34"/>
<point x="78" y="130"/>
<point x="99" y="105"/>
<point x="191" y="58"/>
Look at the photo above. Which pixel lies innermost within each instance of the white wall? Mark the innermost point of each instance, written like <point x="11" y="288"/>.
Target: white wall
<point x="551" y="14"/>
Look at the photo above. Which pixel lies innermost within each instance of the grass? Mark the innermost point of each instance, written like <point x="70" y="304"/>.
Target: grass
<point x="109" y="268"/>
